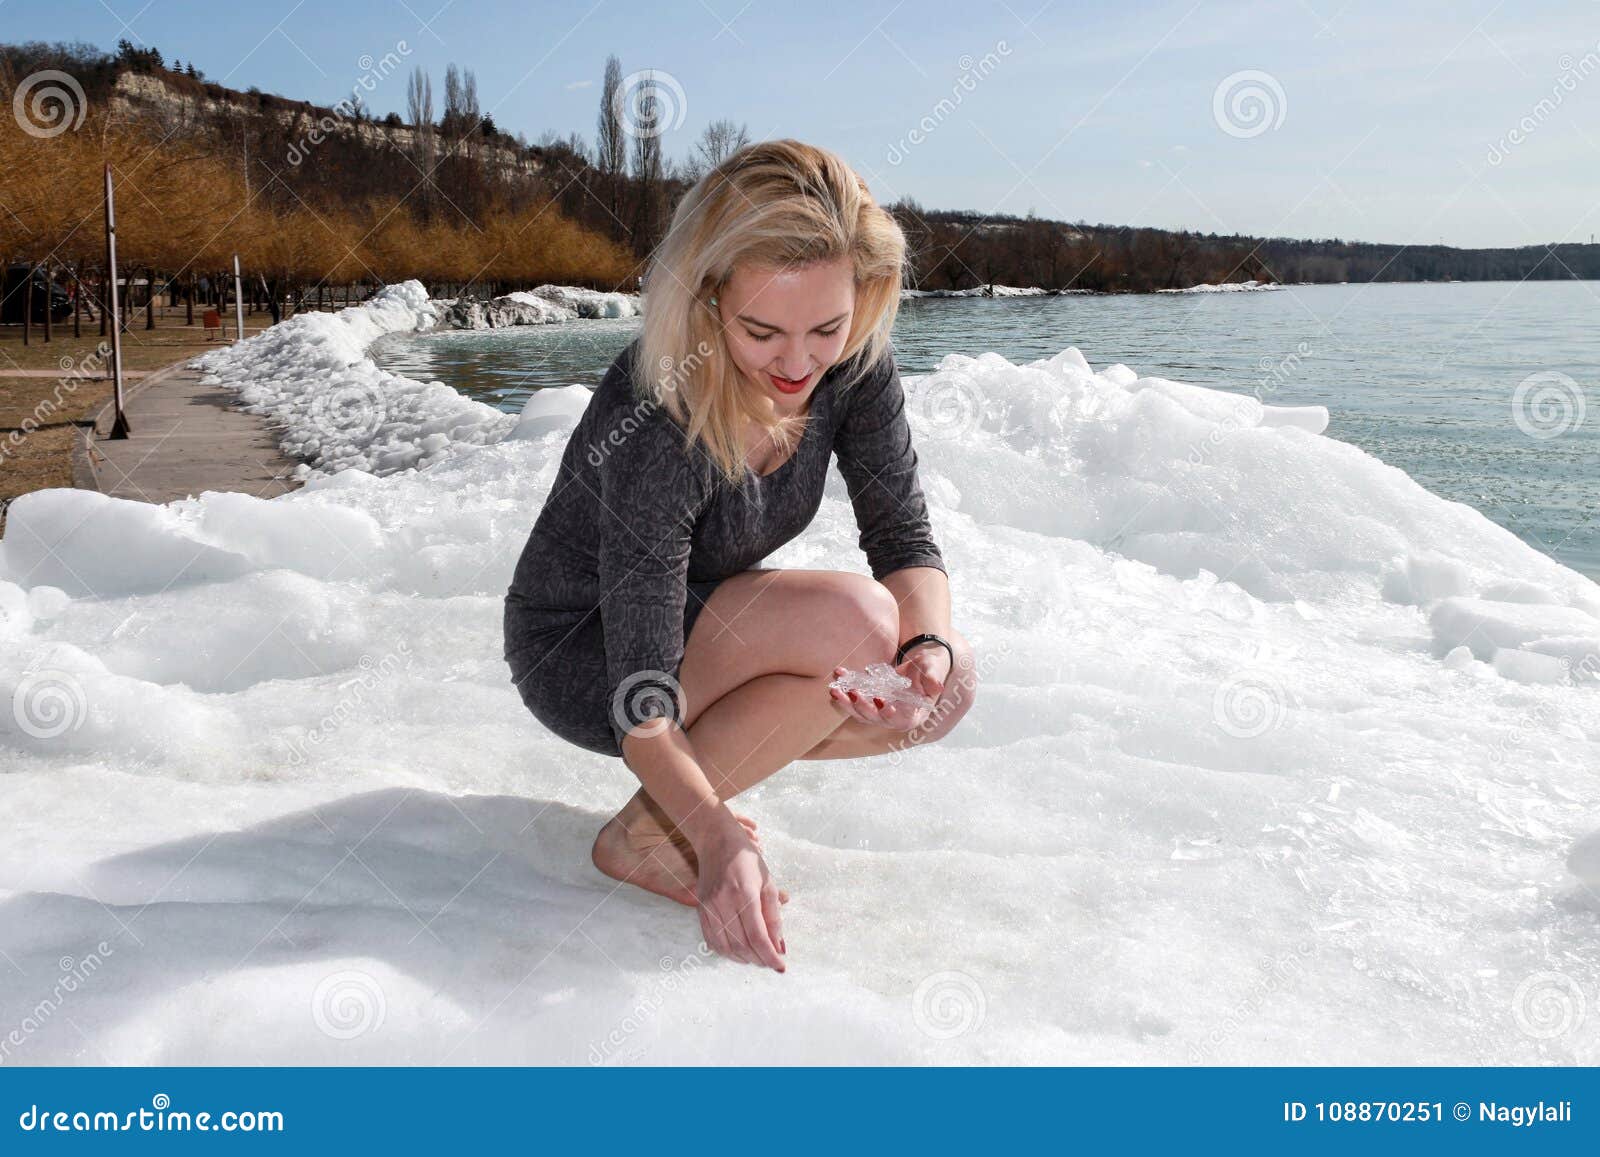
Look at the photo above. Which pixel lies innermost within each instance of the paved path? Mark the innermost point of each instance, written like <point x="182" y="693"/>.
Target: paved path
<point x="185" y="439"/>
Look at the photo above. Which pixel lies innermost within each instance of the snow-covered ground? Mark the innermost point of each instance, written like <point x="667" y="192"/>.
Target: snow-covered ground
<point x="544" y="305"/>
<point x="1278" y="757"/>
<point x="1228" y="287"/>
<point x="336" y="408"/>
<point x="980" y="291"/>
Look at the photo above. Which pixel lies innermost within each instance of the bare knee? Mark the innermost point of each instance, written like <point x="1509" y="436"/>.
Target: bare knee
<point x="857" y="622"/>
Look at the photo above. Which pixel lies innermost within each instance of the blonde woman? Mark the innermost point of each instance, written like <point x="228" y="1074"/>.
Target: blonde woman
<point x="637" y="623"/>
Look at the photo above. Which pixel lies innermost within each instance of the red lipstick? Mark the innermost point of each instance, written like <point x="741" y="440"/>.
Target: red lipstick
<point x="789" y="386"/>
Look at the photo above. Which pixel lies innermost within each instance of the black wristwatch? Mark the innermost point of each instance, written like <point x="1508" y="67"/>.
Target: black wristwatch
<point x="927" y="637"/>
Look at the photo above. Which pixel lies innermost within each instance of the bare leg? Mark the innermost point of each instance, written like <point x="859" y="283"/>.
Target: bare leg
<point x="756" y="729"/>
<point x="742" y="738"/>
<point x="640" y="846"/>
<point x="756" y="632"/>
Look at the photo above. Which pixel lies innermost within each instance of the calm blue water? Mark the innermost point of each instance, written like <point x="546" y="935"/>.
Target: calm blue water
<point x="1422" y="376"/>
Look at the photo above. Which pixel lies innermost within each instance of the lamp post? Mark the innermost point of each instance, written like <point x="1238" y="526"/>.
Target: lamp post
<point x="119" y="425"/>
<point x="238" y="301"/>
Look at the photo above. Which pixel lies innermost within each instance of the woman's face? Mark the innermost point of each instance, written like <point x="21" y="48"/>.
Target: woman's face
<point x="785" y="328"/>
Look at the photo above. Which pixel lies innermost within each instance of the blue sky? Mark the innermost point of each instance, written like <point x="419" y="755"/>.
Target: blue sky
<point x="1469" y="123"/>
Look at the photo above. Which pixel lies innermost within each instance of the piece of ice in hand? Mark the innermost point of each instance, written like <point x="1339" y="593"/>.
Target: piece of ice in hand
<point x="882" y="680"/>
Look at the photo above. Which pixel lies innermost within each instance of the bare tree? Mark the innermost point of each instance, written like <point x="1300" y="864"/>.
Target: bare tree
<point x="469" y="101"/>
<point x="611" y="139"/>
<point x="720" y="140"/>
<point x="647" y="172"/>
<point x="463" y="180"/>
<point x="462" y="117"/>
<point x="452" y="98"/>
<point x="611" y="142"/>
<point x="419" y="101"/>
<point x="419" y="108"/>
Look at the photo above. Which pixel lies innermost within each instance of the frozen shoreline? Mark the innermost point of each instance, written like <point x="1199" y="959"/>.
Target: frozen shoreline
<point x="1278" y="757"/>
<point x="545" y="305"/>
<point x="1229" y="287"/>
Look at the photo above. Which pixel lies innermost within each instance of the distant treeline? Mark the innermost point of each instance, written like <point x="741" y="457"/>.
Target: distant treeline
<point x="959" y="250"/>
<point x="314" y="195"/>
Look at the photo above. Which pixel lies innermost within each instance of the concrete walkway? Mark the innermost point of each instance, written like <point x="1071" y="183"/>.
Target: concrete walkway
<point x="185" y="438"/>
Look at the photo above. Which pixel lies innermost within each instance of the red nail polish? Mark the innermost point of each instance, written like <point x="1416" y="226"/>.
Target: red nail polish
<point x="876" y="702"/>
<point x="854" y="696"/>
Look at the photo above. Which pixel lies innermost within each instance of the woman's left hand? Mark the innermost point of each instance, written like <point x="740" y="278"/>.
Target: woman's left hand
<point x="927" y="667"/>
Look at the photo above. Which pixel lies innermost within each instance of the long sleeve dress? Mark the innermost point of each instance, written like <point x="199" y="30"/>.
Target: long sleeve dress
<point x="639" y="528"/>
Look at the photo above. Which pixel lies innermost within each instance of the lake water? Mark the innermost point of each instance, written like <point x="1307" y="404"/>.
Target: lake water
<point x="1480" y="391"/>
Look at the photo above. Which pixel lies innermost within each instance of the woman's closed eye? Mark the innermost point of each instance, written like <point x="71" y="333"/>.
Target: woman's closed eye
<point x="770" y="336"/>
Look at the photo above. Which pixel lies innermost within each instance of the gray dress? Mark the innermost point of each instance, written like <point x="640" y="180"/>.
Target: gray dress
<point x="638" y="530"/>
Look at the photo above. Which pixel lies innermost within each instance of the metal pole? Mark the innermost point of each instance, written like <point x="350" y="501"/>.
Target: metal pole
<point x="119" y="426"/>
<point x="238" y="300"/>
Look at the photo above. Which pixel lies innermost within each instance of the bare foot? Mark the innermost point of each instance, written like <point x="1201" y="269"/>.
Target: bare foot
<point x="657" y="861"/>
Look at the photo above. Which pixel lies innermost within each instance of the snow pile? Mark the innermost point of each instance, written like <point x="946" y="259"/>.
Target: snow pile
<point x="545" y="305"/>
<point x="587" y="302"/>
<point x="336" y="409"/>
<point x="513" y="309"/>
<point x="980" y="291"/>
<point x="1269" y="764"/>
<point x="1229" y="287"/>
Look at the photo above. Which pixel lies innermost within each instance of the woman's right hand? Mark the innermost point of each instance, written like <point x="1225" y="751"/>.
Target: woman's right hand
<point x="739" y="908"/>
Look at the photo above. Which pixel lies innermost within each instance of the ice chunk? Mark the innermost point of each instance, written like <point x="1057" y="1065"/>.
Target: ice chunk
<point x="1485" y="625"/>
<point x="882" y="681"/>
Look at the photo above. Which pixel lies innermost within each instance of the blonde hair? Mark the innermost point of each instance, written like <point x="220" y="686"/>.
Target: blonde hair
<point x="780" y="204"/>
